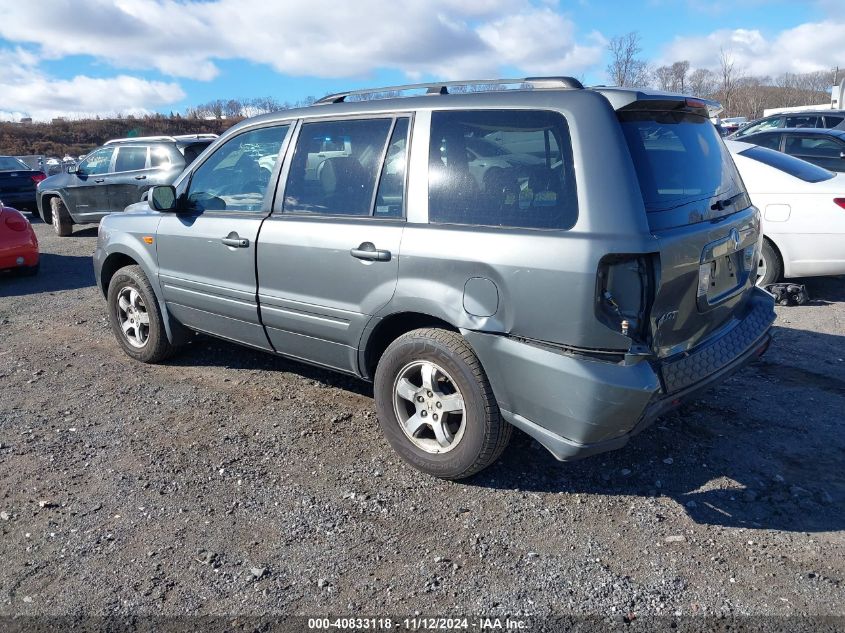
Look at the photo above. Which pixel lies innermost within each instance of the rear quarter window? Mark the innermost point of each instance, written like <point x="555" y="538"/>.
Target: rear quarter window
<point x="501" y="168"/>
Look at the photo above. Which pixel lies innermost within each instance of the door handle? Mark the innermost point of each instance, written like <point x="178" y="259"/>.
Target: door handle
<point x="99" y="180"/>
<point x="235" y="241"/>
<point x="368" y="252"/>
<point x="140" y="177"/>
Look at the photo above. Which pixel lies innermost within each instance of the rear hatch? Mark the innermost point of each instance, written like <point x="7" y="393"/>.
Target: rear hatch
<point x="698" y="209"/>
<point x="18" y="182"/>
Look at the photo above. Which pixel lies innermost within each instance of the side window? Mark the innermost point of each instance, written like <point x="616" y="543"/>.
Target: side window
<point x="159" y="157"/>
<point x="501" y="168"/>
<point x="97" y="162"/>
<point x="390" y="199"/>
<point x="832" y="120"/>
<point x="130" y="158"/>
<point x="772" y="141"/>
<point x="804" y="120"/>
<point x="817" y="146"/>
<point x="335" y="167"/>
<point x="236" y="176"/>
<point x="765" y="124"/>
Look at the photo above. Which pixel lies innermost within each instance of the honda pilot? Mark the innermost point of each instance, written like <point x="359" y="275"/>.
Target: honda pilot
<point x="570" y="261"/>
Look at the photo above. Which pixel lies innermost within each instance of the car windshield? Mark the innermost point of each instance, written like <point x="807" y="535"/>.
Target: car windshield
<point x="796" y="167"/>
<point x="679" y="158"/>
<point x="10" y="163"/>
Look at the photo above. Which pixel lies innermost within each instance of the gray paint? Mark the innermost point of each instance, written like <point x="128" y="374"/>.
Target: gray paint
<point x="500" y="287"/>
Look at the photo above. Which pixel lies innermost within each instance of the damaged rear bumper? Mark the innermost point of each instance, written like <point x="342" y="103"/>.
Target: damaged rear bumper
<point x="577" y="406"/>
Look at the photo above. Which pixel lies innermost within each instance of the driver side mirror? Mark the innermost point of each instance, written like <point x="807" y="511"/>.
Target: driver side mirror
<point x="163" y="198"/>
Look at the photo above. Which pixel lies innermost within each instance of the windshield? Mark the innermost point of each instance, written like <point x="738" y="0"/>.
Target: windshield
<point x="796" y="167"/>
<point x="10" y="163"/>
<point x="679" y="158"/>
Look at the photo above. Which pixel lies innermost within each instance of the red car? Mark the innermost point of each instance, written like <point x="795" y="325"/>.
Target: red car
<point x="18" y="244"/>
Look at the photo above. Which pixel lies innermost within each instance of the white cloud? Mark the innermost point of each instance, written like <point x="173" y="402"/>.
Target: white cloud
<point x="323" y="38"/>
<point x="805" y="48"/>
<point x="28" y="92"/>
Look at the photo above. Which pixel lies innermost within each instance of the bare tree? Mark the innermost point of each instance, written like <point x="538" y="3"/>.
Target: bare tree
<point x="625" y="67"/>
<point x="679" y="76"/>
<point x="702" y="82"/>
<point x="729" y="73"/>
<point x="663" y="77"/>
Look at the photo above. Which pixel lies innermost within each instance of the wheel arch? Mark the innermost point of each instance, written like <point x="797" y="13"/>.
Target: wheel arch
<point x="121" y="256"/>
<point x="44" y="208"/>
<point x="380" y="335"/>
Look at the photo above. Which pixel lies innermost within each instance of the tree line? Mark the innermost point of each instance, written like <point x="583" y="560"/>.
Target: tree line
<point x="75" y="137"/>
<point x="741" y="93"/>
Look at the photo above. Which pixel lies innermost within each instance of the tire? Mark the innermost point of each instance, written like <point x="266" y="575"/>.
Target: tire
<point x="474" y="437"/>
<point x="62" y="224"/>
<point x="770" y="267"/>
<point x="147" y="342"/>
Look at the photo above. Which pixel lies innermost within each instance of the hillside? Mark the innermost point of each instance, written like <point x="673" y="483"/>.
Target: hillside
<point x="80" y="137"/>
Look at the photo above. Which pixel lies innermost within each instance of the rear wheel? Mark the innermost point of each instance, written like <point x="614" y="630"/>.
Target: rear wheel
<point x="62" y="224"/>
<point x="770" y="266"/>
<point x="135" y="316"/>
<point x="436" y="407"/>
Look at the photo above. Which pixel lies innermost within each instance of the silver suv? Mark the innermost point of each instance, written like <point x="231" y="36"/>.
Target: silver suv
<point x="570" y="261"/>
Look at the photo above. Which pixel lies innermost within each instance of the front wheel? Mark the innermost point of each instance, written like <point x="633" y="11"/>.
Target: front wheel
<point x="62" y="222"/>
<point x="135" y="316"/>
<point x="436" y="407"/>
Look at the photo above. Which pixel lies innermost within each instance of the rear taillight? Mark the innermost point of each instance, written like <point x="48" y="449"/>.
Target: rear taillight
<point x="625" y="292"/>
<point x="17" y="222"/>
<point x="36" y="178"/>
<point x="840" y="202"/>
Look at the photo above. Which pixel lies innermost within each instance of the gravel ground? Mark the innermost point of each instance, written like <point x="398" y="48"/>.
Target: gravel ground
<point x="230" y="482"/>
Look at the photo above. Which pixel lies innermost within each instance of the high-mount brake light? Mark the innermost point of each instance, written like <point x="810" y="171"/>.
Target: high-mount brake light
<point x="695" y="103"/>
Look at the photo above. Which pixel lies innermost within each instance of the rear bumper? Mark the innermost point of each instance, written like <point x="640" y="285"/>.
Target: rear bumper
<point x="577" y="407"/>
<point x="24" y="201"/>
<point x="19" y="250"/>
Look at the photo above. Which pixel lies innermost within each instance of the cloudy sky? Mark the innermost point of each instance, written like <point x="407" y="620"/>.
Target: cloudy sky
<point x="81" y="57"/>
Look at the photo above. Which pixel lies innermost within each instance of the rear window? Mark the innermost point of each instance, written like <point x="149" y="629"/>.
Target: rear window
<point x="679" y="158"/>
<point x="503" y="168"/>
<point x="9" y="163"/>
<point x="789" y="164"/>
<point x="190" y="152"/>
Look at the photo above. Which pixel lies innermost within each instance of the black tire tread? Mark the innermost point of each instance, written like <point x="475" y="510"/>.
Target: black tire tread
<point x="162" y="349"/>
<point x="497" y="432"/>
<point x="64" y="226"/>
<point x="775" y="264"/>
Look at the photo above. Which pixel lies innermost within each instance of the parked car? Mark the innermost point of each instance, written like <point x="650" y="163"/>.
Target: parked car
<point x="803" y="209"/>
<point x="114" y="176"/>
<point x="825" y="148"/>
<point x="822" y="119"/>
<point x="576" y="303"/>
<point x="18" y="244"/>
<point x="18" y="182"/>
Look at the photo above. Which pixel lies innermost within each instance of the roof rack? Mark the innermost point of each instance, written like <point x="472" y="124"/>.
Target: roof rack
<point x="142" y="139"/>
<point x="442" y="87"/>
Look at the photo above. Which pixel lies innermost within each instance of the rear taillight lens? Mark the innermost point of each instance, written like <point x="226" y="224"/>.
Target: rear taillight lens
<point x="840" y="202"/>
<point x="36" y="178"/>
<point x="17" y="222"/>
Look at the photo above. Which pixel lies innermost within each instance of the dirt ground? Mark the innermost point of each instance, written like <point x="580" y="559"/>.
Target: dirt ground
<point x="230" y="482"/>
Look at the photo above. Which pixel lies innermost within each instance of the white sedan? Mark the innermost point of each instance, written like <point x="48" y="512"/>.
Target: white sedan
<point x="803" y="210"/>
